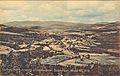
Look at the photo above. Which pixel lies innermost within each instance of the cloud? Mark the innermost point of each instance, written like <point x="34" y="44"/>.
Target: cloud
<point x="76" y="11"/>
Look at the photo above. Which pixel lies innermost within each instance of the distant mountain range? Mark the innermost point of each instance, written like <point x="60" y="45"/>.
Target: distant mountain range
<point x="64" y="25"/>
<point x="38" y="23"/>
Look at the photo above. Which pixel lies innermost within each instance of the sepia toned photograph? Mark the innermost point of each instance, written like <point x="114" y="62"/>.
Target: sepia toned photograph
<point x="60" y="38"/>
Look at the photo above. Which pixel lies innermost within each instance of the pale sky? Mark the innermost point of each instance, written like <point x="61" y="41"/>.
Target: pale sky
<point x="70" y="11"/>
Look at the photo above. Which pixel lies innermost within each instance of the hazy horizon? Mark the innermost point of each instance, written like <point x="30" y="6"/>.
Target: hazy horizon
<point x="60" y="21"/>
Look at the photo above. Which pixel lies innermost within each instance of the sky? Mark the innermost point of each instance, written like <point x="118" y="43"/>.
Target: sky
<point x="67" y="11"/>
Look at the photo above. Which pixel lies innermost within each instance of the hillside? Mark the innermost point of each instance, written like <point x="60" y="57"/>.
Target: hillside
<point x="48" y="45"/>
